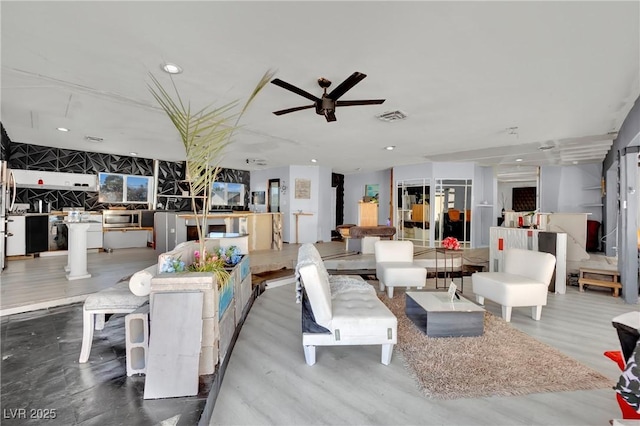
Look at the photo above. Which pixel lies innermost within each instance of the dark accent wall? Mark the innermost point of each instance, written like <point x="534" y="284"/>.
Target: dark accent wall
<point x="337" y="181"/>
<point x="170" y="176"/>
<point x="4" y="143"/>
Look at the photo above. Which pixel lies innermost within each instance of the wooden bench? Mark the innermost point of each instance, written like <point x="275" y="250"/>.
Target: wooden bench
<point x="600" y="278"/>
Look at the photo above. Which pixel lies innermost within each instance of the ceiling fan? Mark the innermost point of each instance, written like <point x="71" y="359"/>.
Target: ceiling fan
<point x="327" y="104"/>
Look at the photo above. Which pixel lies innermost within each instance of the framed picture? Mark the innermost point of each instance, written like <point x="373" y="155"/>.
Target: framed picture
<point x="258" y="197"/>
<point x="372" y="190"/>
<point x="303" y="189"/>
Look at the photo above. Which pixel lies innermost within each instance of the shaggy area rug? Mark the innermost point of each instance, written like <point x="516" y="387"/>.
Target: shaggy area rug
<point x="502" y="362"/>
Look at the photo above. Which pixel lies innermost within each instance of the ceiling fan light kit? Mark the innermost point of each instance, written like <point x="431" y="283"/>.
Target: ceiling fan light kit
<point x="326" y="105"/>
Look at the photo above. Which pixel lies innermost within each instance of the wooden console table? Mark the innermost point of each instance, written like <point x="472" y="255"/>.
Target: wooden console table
<point x="297" y="215"/>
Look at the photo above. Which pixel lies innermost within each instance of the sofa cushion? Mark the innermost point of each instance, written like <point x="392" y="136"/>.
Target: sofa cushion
<point x="509" y="289"/>
<point x="117" y="297"/>
<point x="394" y="251"/>
<point x="401" y="273"/>
<point x="536" y="265"/>
<point x="361" y="315"/>
<point x="308" y="255"/>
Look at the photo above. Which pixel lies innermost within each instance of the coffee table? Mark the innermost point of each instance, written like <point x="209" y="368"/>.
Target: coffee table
<point x="436" y="316"/>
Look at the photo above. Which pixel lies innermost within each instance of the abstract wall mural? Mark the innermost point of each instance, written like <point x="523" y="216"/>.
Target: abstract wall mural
<point x="171" y="176"/>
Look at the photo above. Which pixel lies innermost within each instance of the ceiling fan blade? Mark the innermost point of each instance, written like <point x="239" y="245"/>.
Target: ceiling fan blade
<point x="294" y="89"/>
<point x="287" y="111"/>
<point x="330" y="115"/>
<point x="365" y="102"/>
<point x="342" y="88"/>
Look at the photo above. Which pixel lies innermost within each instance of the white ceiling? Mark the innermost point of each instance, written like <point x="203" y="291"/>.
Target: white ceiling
<point x="480" y="81"/>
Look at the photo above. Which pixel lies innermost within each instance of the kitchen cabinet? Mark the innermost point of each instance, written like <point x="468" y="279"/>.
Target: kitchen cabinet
<point x="16" y="235"/>
<point x="37" y="233"/>
<point x="94" y="233"/>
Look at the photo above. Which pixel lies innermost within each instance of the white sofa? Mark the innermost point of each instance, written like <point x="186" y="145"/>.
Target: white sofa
<point x="340" y="309"/>
<point x="395" y="266"/>
<point x="524" y="282"/>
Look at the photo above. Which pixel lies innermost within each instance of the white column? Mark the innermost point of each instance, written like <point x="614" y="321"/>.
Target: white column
<point x="77" y="252"/>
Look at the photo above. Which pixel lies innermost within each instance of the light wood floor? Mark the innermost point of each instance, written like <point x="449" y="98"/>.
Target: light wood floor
<point x="268" y="383"/>
<point x="39" y="283"/>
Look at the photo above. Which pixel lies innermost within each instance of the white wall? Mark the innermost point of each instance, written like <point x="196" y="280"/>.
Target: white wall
<point x="259" y="182"/>
<point x="562" y="189"/>
<point x="354" y="191"/>
<point x="572" y="189"/>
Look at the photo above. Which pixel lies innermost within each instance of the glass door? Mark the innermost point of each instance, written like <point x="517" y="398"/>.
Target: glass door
<point x="274" y="196"/>
<point x="413" y="211"/>
<point x="452" y="205"/>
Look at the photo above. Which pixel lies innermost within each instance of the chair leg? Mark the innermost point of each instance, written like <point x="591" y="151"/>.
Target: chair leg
<point x="506" y="313"/>
<point x="390" y="292"/>
<point x="480" y="300"/>
<point x="310" y="354"/>
<point x="87" y="335"/>
<point x="536" y="312"/>
<point x="387" y="351"/>
<point x="381" y="285"/>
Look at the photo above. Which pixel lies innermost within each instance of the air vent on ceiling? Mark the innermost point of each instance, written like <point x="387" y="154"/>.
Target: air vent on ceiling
<point x="392" y="115"/>
<point x="256" y="161"/>
<point x="93" y="139"/>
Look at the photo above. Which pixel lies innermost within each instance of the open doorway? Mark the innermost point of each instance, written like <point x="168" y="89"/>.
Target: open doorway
<point x="273" y="202"/>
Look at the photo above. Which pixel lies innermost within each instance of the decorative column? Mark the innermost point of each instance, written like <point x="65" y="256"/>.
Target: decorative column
<point x="77" y="252"/>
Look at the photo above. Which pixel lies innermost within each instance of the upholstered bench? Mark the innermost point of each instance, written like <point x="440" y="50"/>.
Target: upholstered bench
<point x="340" y="310"/>
<point x="114" y="300"/>
<point x="524" y="282"/>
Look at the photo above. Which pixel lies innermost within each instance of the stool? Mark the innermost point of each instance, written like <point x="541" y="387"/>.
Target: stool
<point x="600" y="278"/>
<point x="114" y="300"/>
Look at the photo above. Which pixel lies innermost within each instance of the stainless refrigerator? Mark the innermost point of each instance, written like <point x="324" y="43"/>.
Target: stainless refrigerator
<point x="7" y="200"/>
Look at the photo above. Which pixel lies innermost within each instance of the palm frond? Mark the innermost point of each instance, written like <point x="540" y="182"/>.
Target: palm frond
<point x="205" y="134"/>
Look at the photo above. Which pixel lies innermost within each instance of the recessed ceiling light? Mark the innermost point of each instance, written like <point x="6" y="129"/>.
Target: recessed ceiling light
<point x="313" y="160"/>
<point x="518" y="160"/>
<point x="63" y="129"/>
<point x="575" y="162"/>
<point x="133" y="153"/>
<point x="171" y="68"/>
<point x="390" y="147"/>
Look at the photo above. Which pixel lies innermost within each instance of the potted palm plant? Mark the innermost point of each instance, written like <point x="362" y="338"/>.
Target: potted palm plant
<point x="205" y="134"/>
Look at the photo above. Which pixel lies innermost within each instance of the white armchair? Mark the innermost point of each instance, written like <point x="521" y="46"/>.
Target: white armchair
<point x="340" y="310"/>
<point x="395" y="266"/>
<point x="524" y="282"/>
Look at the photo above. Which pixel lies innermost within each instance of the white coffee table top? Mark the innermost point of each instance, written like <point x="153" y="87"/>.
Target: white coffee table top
<point x="439" y="301"/>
